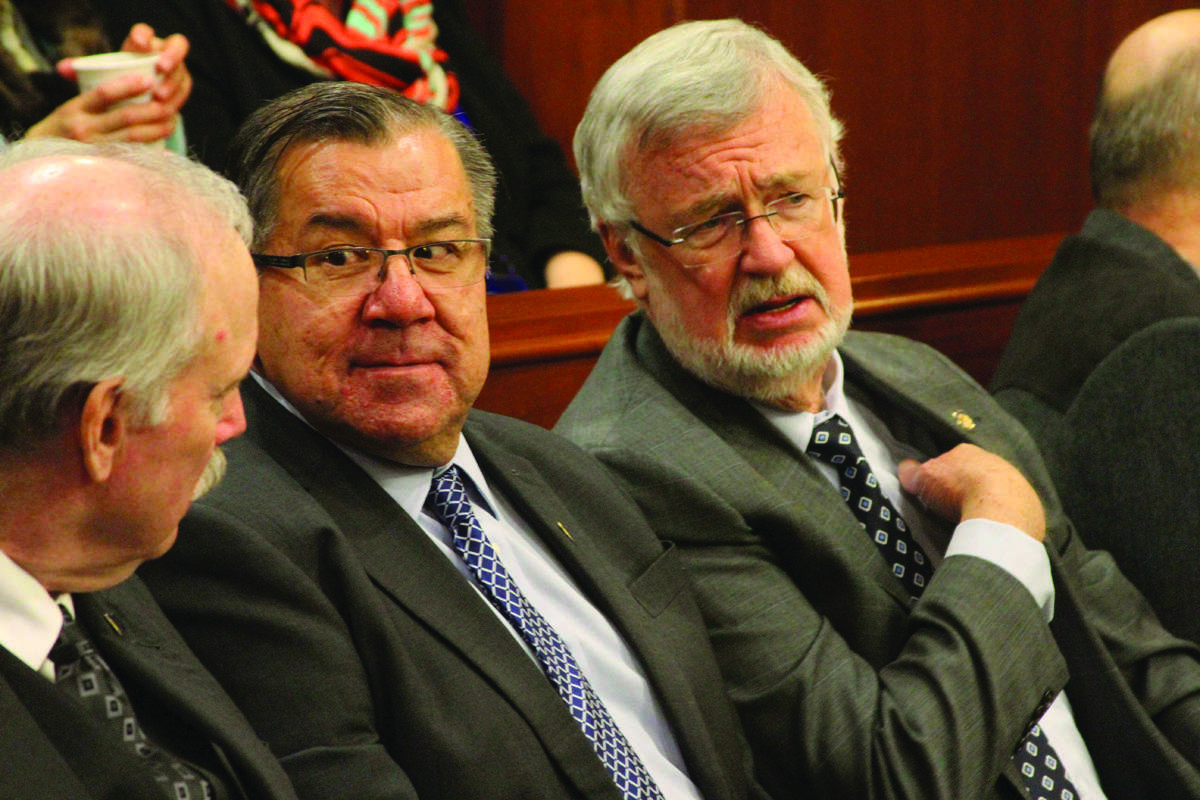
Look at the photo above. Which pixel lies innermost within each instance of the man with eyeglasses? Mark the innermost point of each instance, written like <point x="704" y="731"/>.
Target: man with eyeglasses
<point x="409" y="598"/>
<point x="888" y="624"/>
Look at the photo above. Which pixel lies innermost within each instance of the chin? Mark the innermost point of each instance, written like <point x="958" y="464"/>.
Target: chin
<point x="164" y="545"/>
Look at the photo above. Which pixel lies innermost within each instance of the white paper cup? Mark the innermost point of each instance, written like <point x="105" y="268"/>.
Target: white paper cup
<point x="92" y="71"/>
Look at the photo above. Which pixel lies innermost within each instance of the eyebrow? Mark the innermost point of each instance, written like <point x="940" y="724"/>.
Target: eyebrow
<point x="722" y="203"/>
<point x="349" y="223"/>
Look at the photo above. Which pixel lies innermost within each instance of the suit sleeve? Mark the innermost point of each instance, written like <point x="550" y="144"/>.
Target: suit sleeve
<point x="1161" y="670"/>
<point x="281" y="650"/>
<point x="935" y="712"/>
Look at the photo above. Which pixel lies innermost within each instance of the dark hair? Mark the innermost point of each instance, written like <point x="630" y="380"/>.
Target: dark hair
<point x="343" y="111"/>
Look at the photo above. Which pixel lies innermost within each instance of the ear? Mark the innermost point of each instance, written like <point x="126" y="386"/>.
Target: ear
<point x="624" y="259"/>
<point x="103" y="426"/>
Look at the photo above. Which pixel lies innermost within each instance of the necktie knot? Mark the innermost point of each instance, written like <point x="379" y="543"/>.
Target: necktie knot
<point x="71" y="646"/>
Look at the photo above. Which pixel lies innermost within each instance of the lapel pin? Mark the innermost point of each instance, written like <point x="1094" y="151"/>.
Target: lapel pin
<point x="563" y="528"/>
<point x="112" y="623"/>
<point x="963" y="420"/>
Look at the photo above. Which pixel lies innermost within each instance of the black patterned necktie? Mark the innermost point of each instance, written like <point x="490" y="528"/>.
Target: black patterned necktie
<point x="448" y="499"/>
<point x="81" y="671"/>
<point x="833" y="442"/>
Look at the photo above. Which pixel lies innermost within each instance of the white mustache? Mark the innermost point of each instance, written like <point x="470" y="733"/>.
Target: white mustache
<point x="214" y="470"/>
<point x="755" y="291"/>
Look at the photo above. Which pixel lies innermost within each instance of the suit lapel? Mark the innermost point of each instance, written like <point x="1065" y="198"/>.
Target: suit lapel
<point x="56" y="748"/>
<point x="43" y="740"/>
<point x="614" y="590"/>
<point x="932" y="411"/>
<point x="408" y="567"/>
<point x="833" y="540"/>
<point x="147" y="654"/>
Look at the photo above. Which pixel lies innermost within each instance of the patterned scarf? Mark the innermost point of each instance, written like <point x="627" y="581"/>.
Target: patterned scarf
<point x="388" y="43"/>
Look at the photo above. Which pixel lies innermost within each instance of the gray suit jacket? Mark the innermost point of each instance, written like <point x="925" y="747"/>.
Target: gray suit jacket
<point x="372" y="666"/>
<point x="844" y="689"/>
<point x="51" y="748"/>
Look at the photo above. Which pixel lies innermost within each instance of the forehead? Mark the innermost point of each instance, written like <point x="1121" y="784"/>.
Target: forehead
<point x="777" y="143"/>
<point x="230" y="288"/>
<point x="384" y="187"/>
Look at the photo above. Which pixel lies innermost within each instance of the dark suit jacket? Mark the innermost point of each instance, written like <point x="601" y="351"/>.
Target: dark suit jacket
<point x="538" y="207"/>
<point x="50" y="748"/>
<point x="844" y="689"/>
<point x="373" y="667"/>
<point x="1106" y="283"/>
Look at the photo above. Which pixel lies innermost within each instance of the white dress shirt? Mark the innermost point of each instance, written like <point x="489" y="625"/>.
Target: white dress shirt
<point x="1001" y="544"/>
<point x="610" y="666"/>
<point x="29" y="617"/>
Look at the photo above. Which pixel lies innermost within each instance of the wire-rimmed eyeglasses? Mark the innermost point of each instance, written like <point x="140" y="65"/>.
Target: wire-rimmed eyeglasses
<point x="796" y="215"/>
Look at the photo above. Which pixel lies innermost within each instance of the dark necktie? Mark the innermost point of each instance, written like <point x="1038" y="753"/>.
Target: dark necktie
<point x="833" y="442"/>
<point x="448" y="499"/>
<point x="83" y="673"/>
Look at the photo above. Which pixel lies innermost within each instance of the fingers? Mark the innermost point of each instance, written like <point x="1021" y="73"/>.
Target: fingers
<point x="94" y="116"/>
<point x="971" y="483"/>
<point x="175" y="83"/>
<point x="140" y="39"/>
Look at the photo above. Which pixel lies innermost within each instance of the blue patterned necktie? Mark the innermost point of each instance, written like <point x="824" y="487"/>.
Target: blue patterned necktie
<point x="448" y="499"/>
<point x="86" y="676"/>
<point x="833" y="442"/>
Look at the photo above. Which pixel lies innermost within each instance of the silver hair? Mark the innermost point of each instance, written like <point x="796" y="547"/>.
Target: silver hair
<point x="1144" y="142"/>
<point x="691" y="79"/>
<point x="81" y="302"/>
<point x="344" y="111"/>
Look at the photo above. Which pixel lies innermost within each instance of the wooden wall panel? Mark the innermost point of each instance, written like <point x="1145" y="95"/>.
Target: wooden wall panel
<point x="966" y="119"/>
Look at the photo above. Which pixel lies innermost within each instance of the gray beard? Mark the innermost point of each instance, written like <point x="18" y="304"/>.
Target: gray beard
<point x="746" y="370"/>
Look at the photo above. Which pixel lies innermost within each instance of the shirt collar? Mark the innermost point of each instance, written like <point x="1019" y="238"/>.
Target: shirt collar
<point x="407" y="485"/>
<point x="798" y="425"/>
<point x="29" y="617"/>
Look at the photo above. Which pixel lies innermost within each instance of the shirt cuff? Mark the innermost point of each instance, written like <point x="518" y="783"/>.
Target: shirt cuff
<point x="1014" y="551"/>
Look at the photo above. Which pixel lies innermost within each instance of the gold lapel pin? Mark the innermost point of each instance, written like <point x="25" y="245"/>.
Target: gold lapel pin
<point x="963" y="420"/>
<point x="563" y="528"/>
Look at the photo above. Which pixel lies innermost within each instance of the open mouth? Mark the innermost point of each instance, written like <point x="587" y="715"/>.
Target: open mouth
<point x="775" y="306"/>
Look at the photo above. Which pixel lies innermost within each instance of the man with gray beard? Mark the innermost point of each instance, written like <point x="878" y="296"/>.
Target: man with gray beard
<point x="896" y="599"/>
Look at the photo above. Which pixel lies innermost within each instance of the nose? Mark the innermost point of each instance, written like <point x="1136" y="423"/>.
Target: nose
<point x="398" y="299"/>
<point x="233" y="418"/>
<point x="763" y="250"/>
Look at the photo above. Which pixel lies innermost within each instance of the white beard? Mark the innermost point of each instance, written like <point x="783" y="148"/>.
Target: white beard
<point x="746" y="370"/>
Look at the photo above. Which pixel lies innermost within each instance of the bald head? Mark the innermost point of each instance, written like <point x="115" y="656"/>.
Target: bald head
<point x="1145" y="155"/>
<point x="1147" y="53"/>
<point x="100" y="273"/>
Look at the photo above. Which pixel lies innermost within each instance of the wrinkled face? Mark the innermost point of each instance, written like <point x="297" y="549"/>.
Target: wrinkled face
<point x="764" y="323"/>
<point x="157" y="475"/>
<point x="394" y="369"/>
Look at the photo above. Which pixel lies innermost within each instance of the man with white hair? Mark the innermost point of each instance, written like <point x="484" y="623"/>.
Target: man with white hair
<point x="870" y="562"/>
<point x="127" y="320"/>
